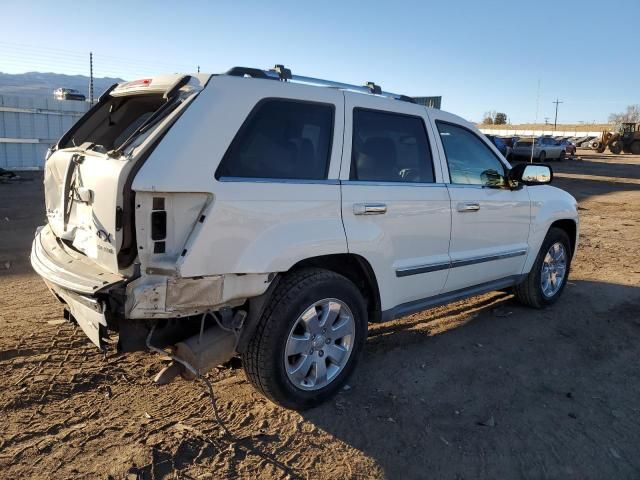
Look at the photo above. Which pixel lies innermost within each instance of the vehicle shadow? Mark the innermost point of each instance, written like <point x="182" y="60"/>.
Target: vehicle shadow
<point x="488" y="388"/>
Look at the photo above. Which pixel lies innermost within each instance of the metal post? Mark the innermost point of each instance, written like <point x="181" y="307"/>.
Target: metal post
<point x="90" y="78"/>
<point x="555" y="122"/>
<point x="533" y="140"/>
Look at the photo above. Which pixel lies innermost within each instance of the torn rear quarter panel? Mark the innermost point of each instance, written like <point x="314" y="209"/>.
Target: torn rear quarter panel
<point x="164" y="223"/>
<point x="155" y="296"/>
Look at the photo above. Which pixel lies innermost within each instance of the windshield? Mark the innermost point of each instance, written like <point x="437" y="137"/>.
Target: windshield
<point x="114" y="121"/>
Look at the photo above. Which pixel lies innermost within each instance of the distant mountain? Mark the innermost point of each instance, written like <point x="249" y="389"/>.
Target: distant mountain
<point x="37" y="83"/>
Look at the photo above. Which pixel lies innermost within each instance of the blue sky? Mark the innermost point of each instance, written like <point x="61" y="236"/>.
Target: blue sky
<point x="479" y="55"/>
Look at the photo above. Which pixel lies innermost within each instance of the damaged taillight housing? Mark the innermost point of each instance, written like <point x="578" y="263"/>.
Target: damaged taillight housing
<point x="158" y="225"/>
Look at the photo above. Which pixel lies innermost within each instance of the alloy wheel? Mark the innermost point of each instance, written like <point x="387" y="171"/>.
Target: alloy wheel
<point x="319" y="344"/>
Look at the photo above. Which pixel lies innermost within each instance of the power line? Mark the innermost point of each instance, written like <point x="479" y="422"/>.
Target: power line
<point x="63" y="53"/>
<point x="27" y="57"/>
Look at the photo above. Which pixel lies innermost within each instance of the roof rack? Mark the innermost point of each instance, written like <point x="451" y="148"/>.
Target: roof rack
<point x="280" y="73"/>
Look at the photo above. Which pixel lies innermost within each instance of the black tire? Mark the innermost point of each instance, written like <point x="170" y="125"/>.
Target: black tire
<point x="615" y="147"/>
<point x="542" y="157"/>
<point x="635" y="147"/>
<point x="529" y="291"/>
<point x="263" y="360"/>
<point x="562" y="156"/>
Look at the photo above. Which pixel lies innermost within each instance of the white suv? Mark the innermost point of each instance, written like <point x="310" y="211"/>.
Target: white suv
<point x="274" y="216"/>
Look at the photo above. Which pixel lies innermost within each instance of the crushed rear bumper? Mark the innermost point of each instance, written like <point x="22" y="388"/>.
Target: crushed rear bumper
<point x="76" y="281"/>
<point x="58" y="264"/>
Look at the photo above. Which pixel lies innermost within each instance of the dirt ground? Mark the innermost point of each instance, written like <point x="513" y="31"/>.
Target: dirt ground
<point x="483" y="388"/>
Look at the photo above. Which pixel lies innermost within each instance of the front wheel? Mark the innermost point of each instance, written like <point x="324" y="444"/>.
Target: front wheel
<point x="308" y="339"/>
<point x="542" y="157"/>
<point x="615" y="147"/>
<point x="544" y="284"/>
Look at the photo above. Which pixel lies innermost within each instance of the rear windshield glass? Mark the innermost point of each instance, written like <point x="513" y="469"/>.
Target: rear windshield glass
<point x="114" y="121"/>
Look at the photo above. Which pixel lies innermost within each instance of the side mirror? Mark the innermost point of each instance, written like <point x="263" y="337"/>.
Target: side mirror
<point x="531" y="174"/>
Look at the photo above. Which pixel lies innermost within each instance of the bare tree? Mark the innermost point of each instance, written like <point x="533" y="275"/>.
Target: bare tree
<point x="631" y="115"/>
<point x="487" y="117"/>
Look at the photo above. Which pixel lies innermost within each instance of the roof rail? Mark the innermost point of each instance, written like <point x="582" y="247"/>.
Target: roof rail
<point x="280" y="73"/>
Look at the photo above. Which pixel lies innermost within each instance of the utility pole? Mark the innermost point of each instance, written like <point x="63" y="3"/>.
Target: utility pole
<point x="555" y="122"/>
<point x="90" y="78"/>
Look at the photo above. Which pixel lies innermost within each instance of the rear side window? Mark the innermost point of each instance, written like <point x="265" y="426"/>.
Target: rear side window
<point x="282" y="139"/>
<point x="389" y="147"/>
<point x="470" y="160"/>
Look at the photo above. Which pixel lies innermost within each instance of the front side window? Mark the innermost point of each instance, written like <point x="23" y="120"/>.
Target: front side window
<point x="470" y="160"/>
<point x="282" y="139"/>
<point x="389" y="147"/>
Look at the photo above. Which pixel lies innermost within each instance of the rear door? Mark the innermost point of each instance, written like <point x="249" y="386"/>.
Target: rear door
<point x="555" y="148"/>
<point x="276" y="188"/>
<point x="395" y="205"/>
<point x="490" y="222"/>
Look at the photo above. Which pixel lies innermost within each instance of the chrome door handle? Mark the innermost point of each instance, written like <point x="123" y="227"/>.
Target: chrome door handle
<point x="468" y="207"/>
<point x="369" y="208"/>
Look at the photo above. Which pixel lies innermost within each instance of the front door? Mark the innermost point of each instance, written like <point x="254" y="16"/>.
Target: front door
<point x="490" y="222"/>
<point x="395" y="206"/>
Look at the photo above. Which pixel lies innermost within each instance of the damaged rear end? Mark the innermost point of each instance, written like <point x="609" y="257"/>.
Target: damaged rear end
<point x="88" y="253"/>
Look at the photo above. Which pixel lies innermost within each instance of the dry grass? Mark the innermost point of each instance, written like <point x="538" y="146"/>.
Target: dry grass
<point x="592" y="127"/>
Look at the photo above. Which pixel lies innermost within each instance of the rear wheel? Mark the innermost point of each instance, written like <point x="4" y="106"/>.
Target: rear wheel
<point x="548" y="276"/>
<point x="635" y="147"/>
<point x="308" y="339"/>
<point x="542" y="157"/>
<point x="562" y="156"/>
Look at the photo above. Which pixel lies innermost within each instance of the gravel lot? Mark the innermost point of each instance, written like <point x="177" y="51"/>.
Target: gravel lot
<point x="483" y="388"/>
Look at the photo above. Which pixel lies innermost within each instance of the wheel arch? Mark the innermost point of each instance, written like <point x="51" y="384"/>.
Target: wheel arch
<point x="357" y="269"/>
<point x="354" y="267"/>
<point x="570" y="228"/>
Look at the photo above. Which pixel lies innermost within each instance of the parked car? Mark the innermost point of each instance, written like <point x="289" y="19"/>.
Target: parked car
<point x="68" y="94"/>
<point x="500" y="144"/>
<point x="587" y="142"/>
<point x="544" y="148"/>
<point x="214" y="214"/>
<point x="569" y="147"/>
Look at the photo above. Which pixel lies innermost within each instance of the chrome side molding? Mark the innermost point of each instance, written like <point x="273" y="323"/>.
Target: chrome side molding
<point x="434" y="267"/>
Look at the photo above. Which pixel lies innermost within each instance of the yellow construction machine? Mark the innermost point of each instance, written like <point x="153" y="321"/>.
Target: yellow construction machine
<point x="625" y="138"/>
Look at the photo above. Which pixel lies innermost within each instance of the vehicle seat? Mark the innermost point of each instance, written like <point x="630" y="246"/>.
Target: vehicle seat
<point x="307" y="158"/>
<point x="377" y="160"/>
